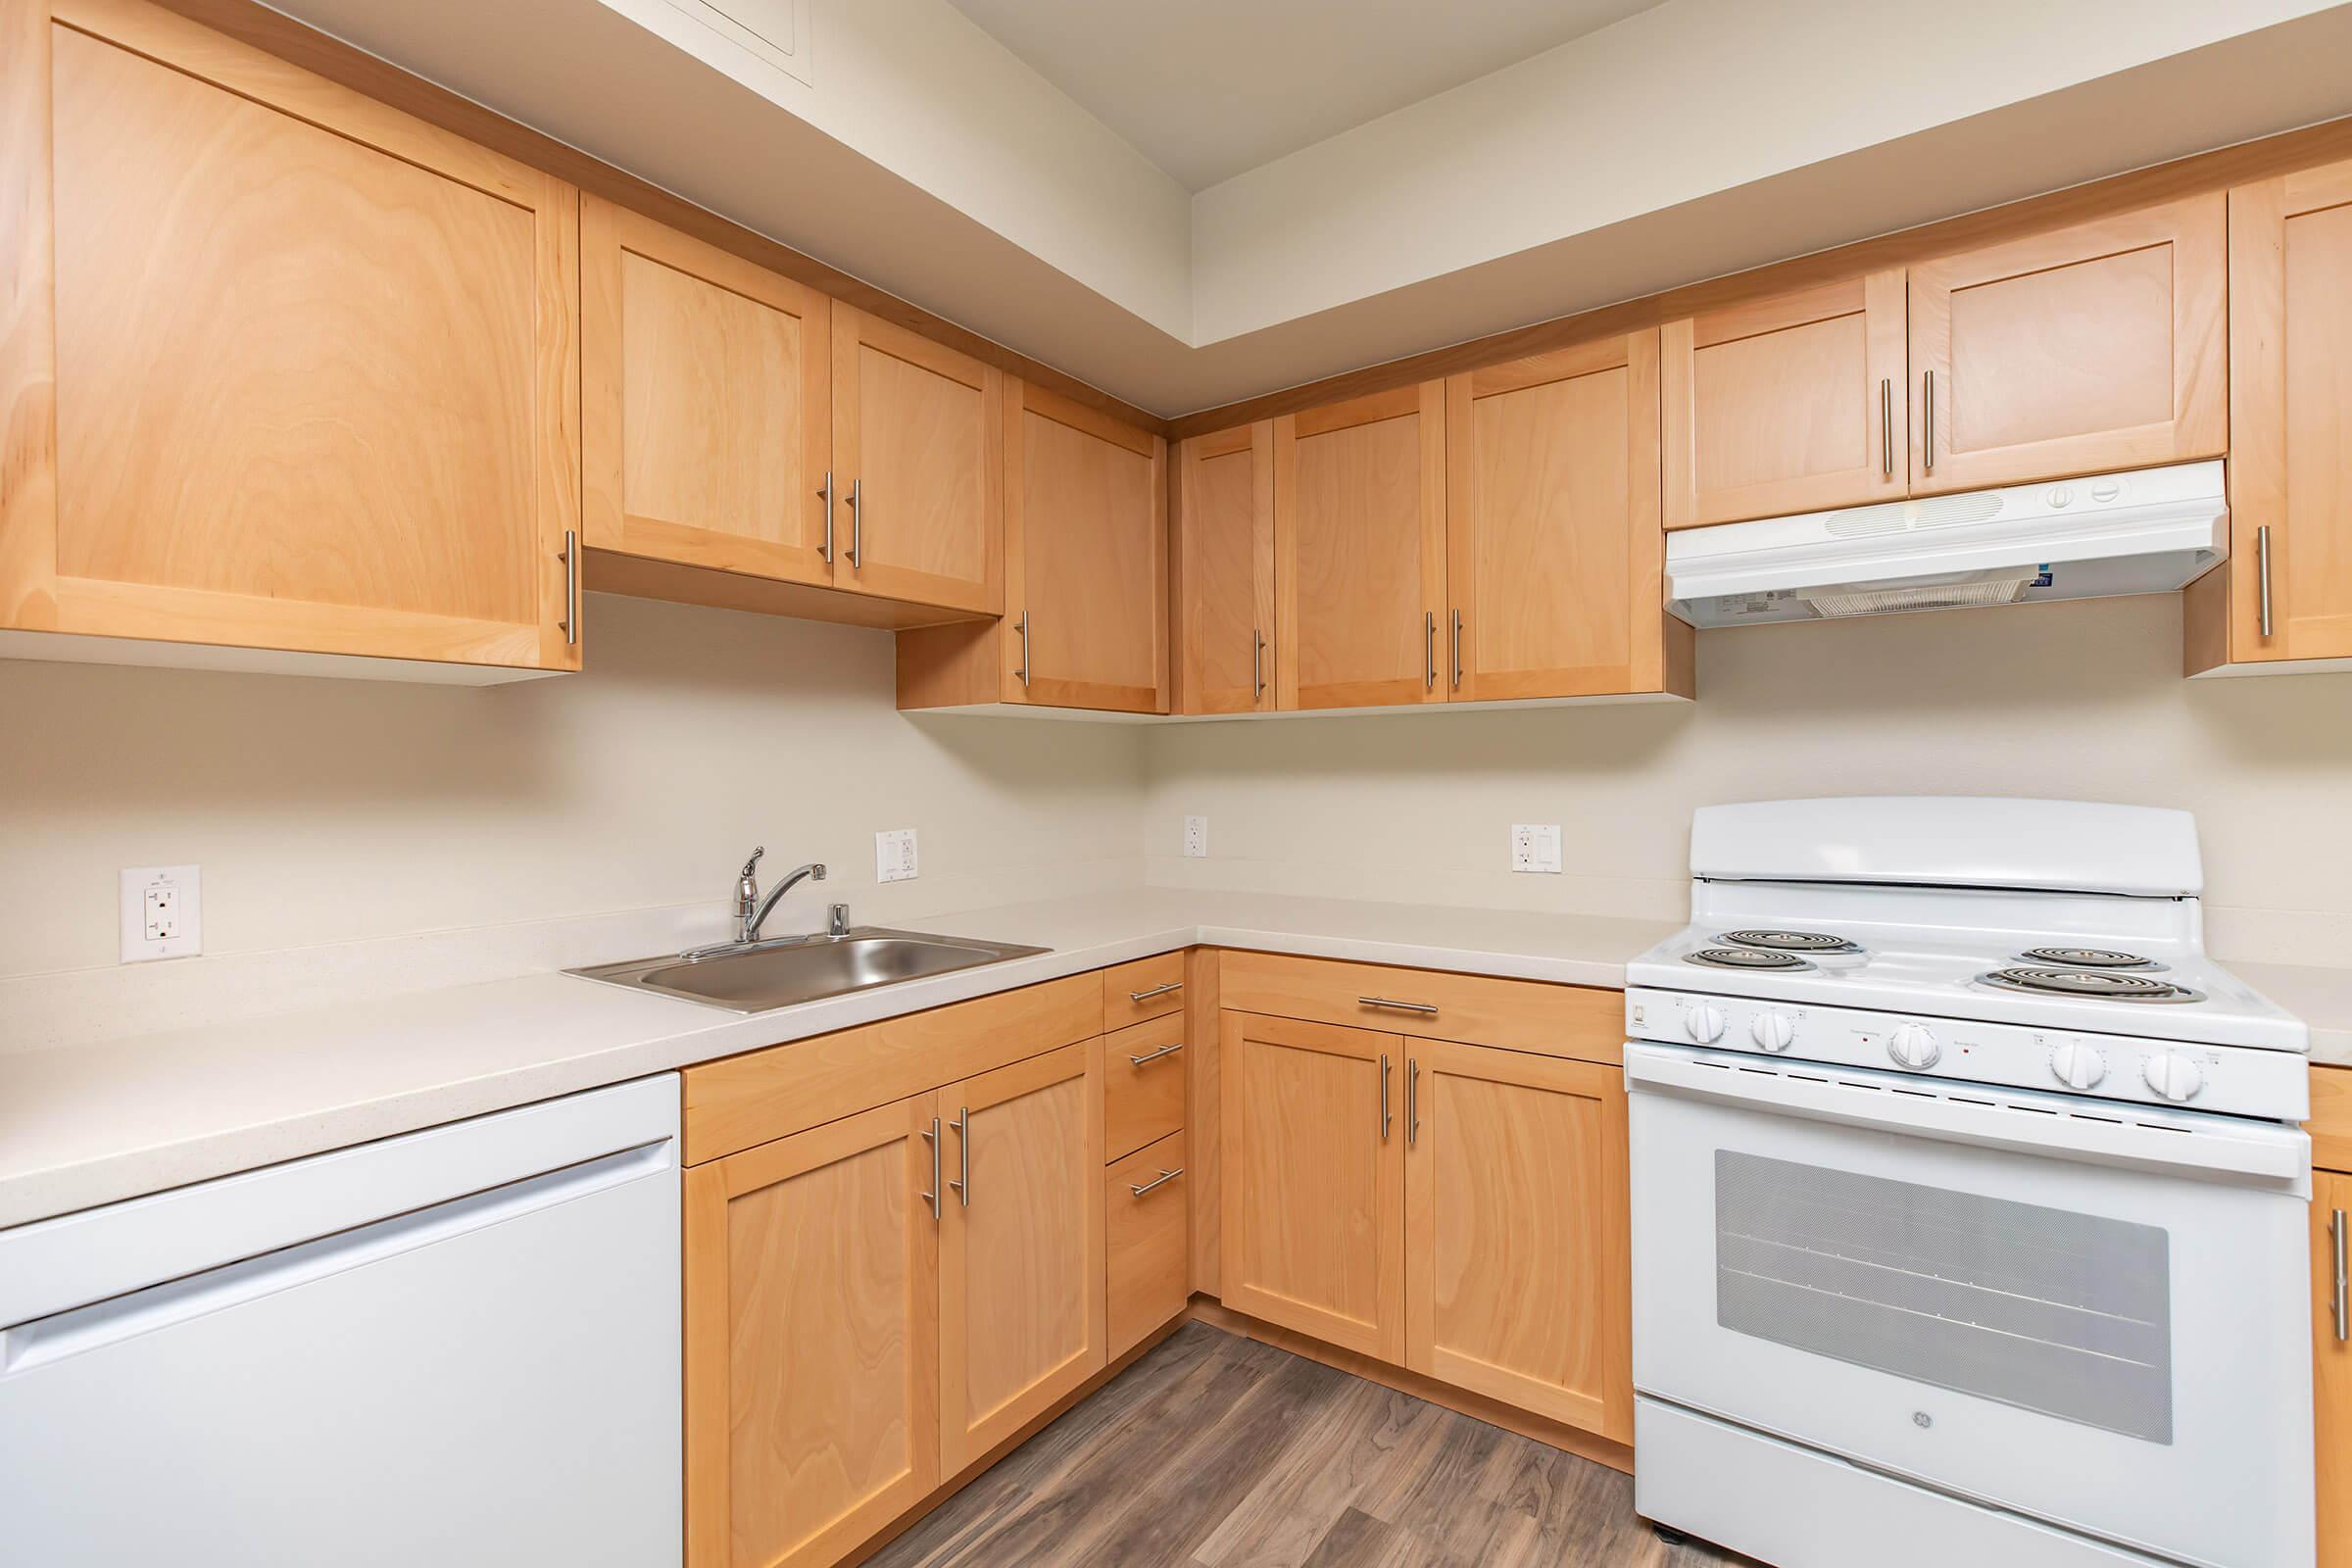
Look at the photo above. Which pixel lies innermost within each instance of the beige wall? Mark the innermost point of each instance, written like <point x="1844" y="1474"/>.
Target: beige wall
<point x="333" y="810"/>
<point x="2081" y="701"/>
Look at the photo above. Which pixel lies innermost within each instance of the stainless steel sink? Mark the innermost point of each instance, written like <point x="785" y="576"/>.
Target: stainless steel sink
<point x="794" y="969"/>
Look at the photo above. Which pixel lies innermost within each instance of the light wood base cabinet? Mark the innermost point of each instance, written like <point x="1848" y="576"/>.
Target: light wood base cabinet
<point x="2331" y="1370"/>
<point x="281" y="367"/>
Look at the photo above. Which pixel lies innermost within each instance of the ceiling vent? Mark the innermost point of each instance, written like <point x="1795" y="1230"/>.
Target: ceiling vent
<point x="776" y="30"/>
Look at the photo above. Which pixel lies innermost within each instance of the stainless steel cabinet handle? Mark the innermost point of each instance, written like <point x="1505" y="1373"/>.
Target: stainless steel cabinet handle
<point x="1887" y="428"/>
<point x="2343" y="1297"/>
<point x="1428" y="1008"/>
<point x="1155" y="1055"/>
<point x="1457" y="650"/>
<point x="1155" y="991"/>
<point x="2262" y="557"/>
<point x="964" y="1153"/>
<point x="573" y="588"/>
<point x="1412" y="1102"/>
<point x="1022" y="626"/>
<point x="1429" y="647"/>
<point x="856" y="525"/>
<point x="1257" y="663"/>
<point x="1161" y="1180"/>
<point x="1926" y="420"/>
<point x="1383" y="1097"/>
<point x="824" y="551"/>
<point x="932" y="1197"/>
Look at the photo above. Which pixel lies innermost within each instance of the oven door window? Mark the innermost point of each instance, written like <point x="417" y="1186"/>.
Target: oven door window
<point x="2049" y="1310"/>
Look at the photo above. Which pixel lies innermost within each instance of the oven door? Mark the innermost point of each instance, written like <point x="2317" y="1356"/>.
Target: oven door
<point x="2086" y="1313"/>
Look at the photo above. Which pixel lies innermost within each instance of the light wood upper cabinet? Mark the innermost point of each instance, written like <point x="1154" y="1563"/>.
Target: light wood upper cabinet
<point x="2290" y="422"/>
<point x="919" y="452"/>
<point x="316" y="364"/>
<point x="707" y="403"/>
<point x="2096" y="347"/>
<point x="1787" y="405"/>
<point x="1312" y="1177"/>
<point x="1225" y="571"/>
<point x="1360" y="544"/>
<point x="1022" y="1273"/>
<point x="1515" y="1194"/>
<point x="2331" y="1369"/>
<point x="811" y="1373"/>
<point x="1557" y="561"/>
<point x="1086" y="507"/>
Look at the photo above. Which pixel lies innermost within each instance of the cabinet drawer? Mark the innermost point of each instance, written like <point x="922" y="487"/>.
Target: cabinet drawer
<point x="1146" y="1235"/>
<point x="1143" y="1085"/>
<point x="743" y="1100"/>
<point x="1148" y="988"/>
<point x="2330" y="1124"/>
<point x="1582" y="1022"/>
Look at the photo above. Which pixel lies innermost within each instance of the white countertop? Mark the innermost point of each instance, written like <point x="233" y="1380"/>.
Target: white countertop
<point x="2320" y="998"/>
<point x="92" y="1123"/>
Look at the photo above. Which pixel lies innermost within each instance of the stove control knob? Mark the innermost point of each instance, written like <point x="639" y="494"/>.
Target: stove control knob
<point x="2076" y="1064"/>
<point x="1773" y="1032"/>
<point x="1705" y="1025"/>
<point x="2173" y="1077"/>
<point x="1913" y="1046"/>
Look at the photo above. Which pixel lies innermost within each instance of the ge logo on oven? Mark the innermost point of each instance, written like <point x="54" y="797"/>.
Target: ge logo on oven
<point x="1922" y="1420"/>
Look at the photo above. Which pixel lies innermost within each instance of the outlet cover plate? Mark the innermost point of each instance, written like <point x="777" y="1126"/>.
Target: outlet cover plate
<point x="163" y="912"/>
<point x="1196" y="837"/>
<point x="1535" y="847"/>
<point x="894" y="855"/>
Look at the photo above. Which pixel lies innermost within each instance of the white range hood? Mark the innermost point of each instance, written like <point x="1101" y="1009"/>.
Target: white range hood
<point x="2146" y="532"/>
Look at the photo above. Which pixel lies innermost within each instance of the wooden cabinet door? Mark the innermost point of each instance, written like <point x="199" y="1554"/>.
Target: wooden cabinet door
<point x="316" y="364"/>
<point x="919" y="467"/>
<point x="1225" y="587"/>
<point x="1359" y="550"/>
<point x="812" y="1341"/>
<point x="1086" y="539"/>
<point x="2331" y="1371"/>
<point x="1312" y="1170"/>
<point x="1022" y="1264"/>
<point x="2099" y="346"/>
<point x="2290" y="417"/>
<point x="705" y="403"/>
<point x="1792" y="404"/>
<point x="1557" y="561"/>
<point x="1518" y="1272"/>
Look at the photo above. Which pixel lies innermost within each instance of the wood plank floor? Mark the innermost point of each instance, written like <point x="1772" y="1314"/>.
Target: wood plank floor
<point x="1216" y="1451"/>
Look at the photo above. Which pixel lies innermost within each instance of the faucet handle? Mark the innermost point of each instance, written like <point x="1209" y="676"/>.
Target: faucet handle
<point x="756" y="852"/>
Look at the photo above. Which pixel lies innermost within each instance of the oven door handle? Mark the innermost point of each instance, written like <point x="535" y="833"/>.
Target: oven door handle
<point x="2256" y="1153"/>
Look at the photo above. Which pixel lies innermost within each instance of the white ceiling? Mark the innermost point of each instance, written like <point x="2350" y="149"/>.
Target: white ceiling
<point x="1214" y="87"/>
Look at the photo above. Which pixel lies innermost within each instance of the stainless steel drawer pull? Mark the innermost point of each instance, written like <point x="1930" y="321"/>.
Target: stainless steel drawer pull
<point x="571" y="588"/>
<point x="1155" y="1055"/>
<point x="1383" y="1097"/>
<point x="1427" y="1009"/>
<point x="824" y="552"/>
<point x="1412" y="1102"/>
<point x="1161" y="1180"/>
<point x="1429" y="647"/>
<point x="932" y="1197"/>
<point x="1155" y="991"/>
<point x="2343" y="1297"/>
<point x="1257" y="663"/>
<point x="1926" y="420"/>
<point x="1887" y="428"/>
<point x="2262" y="557"/>
<point x="964" y="1153"/>
<point x="856" y="525"/>
<point x="1022" y="626"/>
<point x="1457" y="650"/>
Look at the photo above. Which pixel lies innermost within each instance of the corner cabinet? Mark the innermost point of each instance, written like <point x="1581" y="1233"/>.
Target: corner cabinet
<point x="1086" y="567"/>
<point x="2282" y="602"/>
<point x="282" y="368"/>
<point x="1225" y="571"/>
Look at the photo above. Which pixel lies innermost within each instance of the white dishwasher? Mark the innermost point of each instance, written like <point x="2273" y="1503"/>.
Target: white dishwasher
<point x="456" y="1347"/>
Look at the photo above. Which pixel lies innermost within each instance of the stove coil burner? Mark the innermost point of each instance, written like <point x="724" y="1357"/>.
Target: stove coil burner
<point x="2098" y="985"/>
<point x="2085" y="959"/>
<point x="1745" y="959"/>
<point x="1806" y="942"/>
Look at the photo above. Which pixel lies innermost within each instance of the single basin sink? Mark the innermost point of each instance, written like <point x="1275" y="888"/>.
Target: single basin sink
<point x="795" y="969"/>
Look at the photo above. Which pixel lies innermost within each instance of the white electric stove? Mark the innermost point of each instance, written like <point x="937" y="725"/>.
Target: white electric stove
<point x="1969" y="1205"/>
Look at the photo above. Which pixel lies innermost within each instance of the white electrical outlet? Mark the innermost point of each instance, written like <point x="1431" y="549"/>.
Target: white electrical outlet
<point x="1535" y="847"/>
<point x="894" y="855"/>
<point x="1196" y="837"/>
<point x="163" y="912"/>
